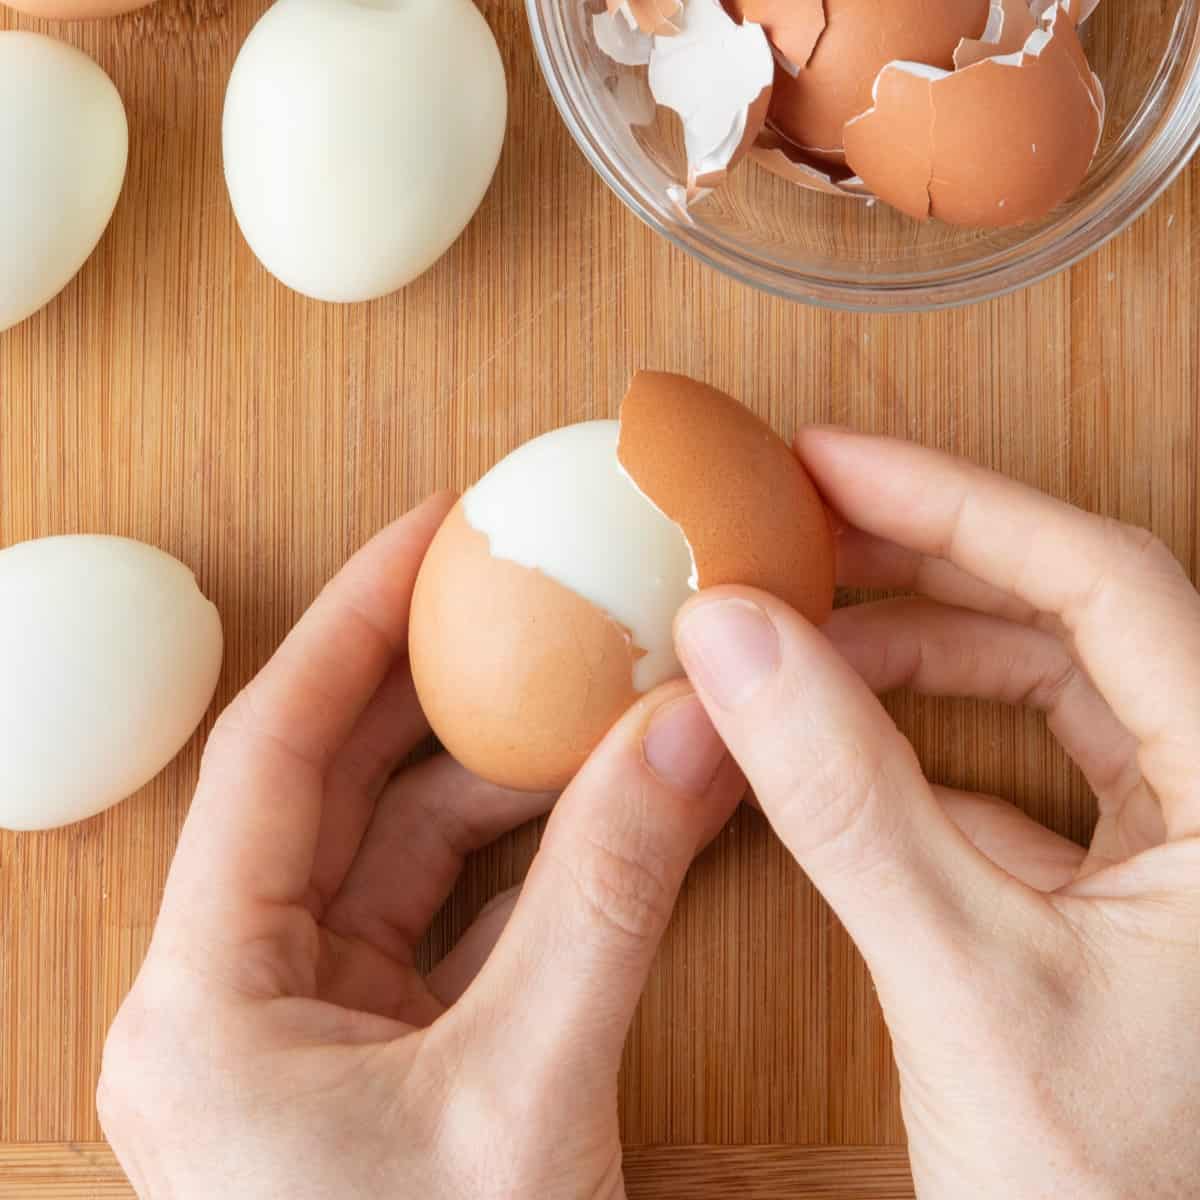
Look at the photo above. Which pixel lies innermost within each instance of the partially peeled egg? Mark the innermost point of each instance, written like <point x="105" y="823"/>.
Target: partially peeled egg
<point x="545" y="604"/>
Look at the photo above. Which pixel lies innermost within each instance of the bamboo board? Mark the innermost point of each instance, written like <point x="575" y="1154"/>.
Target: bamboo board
<point x="175" y="393"/>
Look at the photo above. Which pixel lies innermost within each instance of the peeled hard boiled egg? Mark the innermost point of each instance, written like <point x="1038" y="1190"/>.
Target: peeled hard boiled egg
<point x="111" y="657"/>
<point x="545" y="605"/>
<point x="64" y="143"/>
<point x="360" y="137"/>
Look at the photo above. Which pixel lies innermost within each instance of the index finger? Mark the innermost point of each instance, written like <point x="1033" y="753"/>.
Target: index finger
<point x="1127" y="602"/>
<point x="251" y="835"/>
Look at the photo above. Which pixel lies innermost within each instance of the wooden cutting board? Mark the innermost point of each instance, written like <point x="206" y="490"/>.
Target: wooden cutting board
<point x="175" y="393"/>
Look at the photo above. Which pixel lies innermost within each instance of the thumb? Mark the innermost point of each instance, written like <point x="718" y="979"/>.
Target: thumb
<point x="835" y="777"/>
<point x="560" y="989"/>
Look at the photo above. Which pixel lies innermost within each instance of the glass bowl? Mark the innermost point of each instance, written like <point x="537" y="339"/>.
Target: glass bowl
<point x="844" y="254"/>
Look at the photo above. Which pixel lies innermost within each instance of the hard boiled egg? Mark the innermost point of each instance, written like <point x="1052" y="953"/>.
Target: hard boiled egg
<point x="360" y="137"/>
<point x="544" y="607"/>
<point x="75" y="10"/>
<point x="111" y="657"/>
<point x="64" y="143"/>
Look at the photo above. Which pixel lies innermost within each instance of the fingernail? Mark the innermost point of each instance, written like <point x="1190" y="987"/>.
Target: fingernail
<point x="682" y="748"/>
<point x="730" y="649"/>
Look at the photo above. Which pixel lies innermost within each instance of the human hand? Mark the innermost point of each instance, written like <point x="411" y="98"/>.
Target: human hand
<point x="279" y="1041"/>
<point x="1044" y="1002"/>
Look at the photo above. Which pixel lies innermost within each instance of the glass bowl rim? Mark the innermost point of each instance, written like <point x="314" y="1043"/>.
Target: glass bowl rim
<point x="1109" y="212"/>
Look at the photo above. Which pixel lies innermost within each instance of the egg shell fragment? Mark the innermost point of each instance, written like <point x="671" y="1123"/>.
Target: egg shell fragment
<point x="1078" y="10"/>
<point x="618" y="40"/>
<point x="717" y="76"/>
<point x="747" y="507"/>
<point x="788" y="162"/>
<point x="111" y="656"/>
<point x="811" y="109"/>
<point x="654" y="17"/>
<point x="1010" y="22"/>
<point x="519" y="676"/>
<point x="889" y="146"/>
<point x="793" y="27"/>
<point x="1008" y="139"/>
<point x="64" y="146"/>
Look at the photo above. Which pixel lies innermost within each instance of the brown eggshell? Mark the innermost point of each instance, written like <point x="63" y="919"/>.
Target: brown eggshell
<point x="888" y="146"/>
<point x="1012" y="143"/>
<point x="1010" y="22"/>
<point x="794" y="26"/>
<point x="1006" y="143"/>
<point x="781" y="158"/>
<point x="520" y="677"/>
<point x="75" y="10"/>
<point x="860" y="38"/>
<point x="747" y="507"/>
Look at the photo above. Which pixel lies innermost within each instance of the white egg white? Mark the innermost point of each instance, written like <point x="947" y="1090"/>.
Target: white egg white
<point x="360" y="137"/>
<point x="64" y="144"/>
<point x="111" y="656"/>
<point x="562" y="504"/>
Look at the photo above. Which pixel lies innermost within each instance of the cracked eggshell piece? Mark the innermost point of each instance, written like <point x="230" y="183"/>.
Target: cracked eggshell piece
<point x="654" y="17"/>
<point x="747" y="507"/>
<point x="64" y="145"/>
<point x="999" y="143"/>
<point x="617" y="39"/>
<point x="360" y="138"/>
<point x="1078" y="10"/>
<point x="1010" y="22"/>
<point x="111" y="657"/>
<point x="545" y="605"/>
<point x="793" y="27"/>
<point x="811" y="109"/>
<point x="716" y="74"/>
<point x="777" y="155"/>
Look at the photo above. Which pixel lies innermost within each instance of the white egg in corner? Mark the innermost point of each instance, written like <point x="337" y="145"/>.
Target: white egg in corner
<point x="360" y="137"/>
<point x="64" y="145"/>
<point x="109" y="659"/>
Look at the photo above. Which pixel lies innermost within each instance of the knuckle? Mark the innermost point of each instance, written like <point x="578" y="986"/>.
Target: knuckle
<point x="1144" y="546"/>
<point x="625" y="885"/>
<point x="841" y="812"/>
<point x="131" y="1037"/>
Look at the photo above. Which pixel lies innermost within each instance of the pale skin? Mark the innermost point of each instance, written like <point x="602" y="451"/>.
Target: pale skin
<point x="1044" y="1000"/>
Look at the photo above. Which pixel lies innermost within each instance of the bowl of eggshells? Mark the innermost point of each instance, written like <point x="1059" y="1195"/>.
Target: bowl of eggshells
<point x="907" y="155"/>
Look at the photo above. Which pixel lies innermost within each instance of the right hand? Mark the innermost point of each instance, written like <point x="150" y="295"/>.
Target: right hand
<point x="1044" y="1001"/>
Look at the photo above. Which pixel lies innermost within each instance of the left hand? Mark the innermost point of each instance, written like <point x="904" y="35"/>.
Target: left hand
<point x="279" y="1040"/>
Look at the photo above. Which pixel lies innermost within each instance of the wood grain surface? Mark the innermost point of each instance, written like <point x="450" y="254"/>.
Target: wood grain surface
<point x="175" y="393"/>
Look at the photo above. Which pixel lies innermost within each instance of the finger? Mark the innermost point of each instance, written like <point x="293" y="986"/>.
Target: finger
<point x="562" y="984"/>
<point x="871" y="563"/>
<point x="1126" y="601"/>
<point x="942" y="651"/>
<point x="1030" y="852"/>
<point x="427" y="821"/>
<point x="457" y="971"/>
<point x="837" y="781"/>
<point x="392" y="726"/>
<point x="249" y="843"/>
